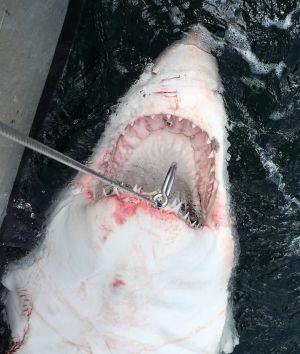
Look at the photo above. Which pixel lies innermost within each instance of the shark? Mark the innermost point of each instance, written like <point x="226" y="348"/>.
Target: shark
<point x="115" y="274"/>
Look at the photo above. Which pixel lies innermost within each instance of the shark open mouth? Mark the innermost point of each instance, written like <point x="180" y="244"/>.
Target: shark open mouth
<point x="146" y="148"/>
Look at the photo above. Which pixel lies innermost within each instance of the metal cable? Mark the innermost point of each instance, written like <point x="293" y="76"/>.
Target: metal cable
<point x="36" y="146"/>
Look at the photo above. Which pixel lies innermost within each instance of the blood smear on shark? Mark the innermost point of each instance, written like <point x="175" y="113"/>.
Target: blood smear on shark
<point x="114" y="272"/>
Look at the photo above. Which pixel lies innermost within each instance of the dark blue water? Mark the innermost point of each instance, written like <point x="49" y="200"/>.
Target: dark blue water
<point x="258" y="50"/>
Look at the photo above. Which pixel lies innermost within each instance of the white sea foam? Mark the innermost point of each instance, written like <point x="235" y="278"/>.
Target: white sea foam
<point x="276" y="177"/>
<point x="21" y="204"/>
<point x="225" y="10"/>
<point x="292" y="204"/>
<point x="240" y="42"/>
<point x="282" y="24"/>
<point x="282" y="113"/>
<point x="277" y="115"/>
<point x="176" y="16"/>
<point x="114" y="5"/>
<point x="186" y="5"/>
<point x="121" y="68"/>
<point x="295" y="245"/>
<point x="254" y="83"/>
<point x="270" y="167"/>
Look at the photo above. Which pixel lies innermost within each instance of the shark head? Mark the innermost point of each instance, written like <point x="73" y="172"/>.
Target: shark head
<point x="125" y="276"/>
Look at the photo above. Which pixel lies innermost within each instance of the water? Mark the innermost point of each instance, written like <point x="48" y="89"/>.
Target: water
<point x="257" y="44"/>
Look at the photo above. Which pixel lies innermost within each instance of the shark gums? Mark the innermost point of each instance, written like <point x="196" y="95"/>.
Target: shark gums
<point x="115" y="274"/>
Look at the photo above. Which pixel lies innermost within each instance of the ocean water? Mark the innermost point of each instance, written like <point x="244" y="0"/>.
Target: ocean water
<point x="257" y="45"/>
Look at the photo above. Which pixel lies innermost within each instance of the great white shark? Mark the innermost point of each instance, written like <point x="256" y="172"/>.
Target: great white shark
<point x="116" y="275"/>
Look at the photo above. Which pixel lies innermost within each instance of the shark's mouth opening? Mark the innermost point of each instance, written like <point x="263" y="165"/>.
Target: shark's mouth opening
<point x="147" y="147"/>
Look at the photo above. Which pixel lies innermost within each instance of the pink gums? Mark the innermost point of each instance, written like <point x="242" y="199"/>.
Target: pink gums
<point x="128" y="206"/>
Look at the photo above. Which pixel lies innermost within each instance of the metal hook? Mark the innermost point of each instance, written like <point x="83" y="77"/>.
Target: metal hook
<point x="161" y="199"/>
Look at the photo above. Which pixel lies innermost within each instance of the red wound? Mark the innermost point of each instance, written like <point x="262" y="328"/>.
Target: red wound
<point x="89" y="195"/>
<point x="118" y="283"/>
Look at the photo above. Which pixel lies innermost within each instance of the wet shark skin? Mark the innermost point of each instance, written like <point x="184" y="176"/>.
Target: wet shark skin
<point x="116" y="275"/>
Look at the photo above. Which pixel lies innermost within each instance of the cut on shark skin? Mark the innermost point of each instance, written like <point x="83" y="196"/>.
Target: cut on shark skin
<point x="115" y="274"/>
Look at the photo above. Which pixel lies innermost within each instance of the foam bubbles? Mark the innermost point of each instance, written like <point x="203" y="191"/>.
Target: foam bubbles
<point x="176" y="16"/>
<point x="282" y="112"/>
<point x="208" y="41"/>
<point x="272" y="170"/>
<point x="186" y="5"/>
<point x="21" y="204"/>
<point x="270" y="167"/>
<point x="281" y="24"/>
<point x="237" y="39"/>
<point x="277" y="115"/>
<point x="240" y="42"/>
<point x="254" y="83"/>
<point x="295" y="245"/>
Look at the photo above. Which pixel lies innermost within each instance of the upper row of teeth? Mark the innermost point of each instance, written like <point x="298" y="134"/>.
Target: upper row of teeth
<point x="169" y="120"/>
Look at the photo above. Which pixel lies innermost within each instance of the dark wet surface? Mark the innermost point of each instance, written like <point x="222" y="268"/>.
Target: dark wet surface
<point x="115" y="40"/>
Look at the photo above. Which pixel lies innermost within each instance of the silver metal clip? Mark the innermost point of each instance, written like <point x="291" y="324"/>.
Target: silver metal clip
<point x="161" y="199"/>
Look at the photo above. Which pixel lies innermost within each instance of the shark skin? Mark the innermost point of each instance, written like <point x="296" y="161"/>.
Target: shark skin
<point x="116" y="275"/>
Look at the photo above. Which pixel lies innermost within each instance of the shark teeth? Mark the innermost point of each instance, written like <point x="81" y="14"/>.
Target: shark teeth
<point x="193" y="224"/>
<point x="176" y="207"/>
<point x="174" y="203"/>
<point x="109" y="190"/>
<point x="211" y="155"/>
<point x="186" y="216"/>
<point x="137" y="189"/>
<point x="115" y="191"/>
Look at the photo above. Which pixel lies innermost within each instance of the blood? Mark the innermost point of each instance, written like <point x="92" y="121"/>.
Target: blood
<point x="29" y="310"/>
<point x="170" y="78"/>
<point x="124" y="211"/>
<point x="166" y="93"/>
<point x="127" y="207"/>
<point x="172" y="98"/>
<point x="21" y="342"/>
<point x="118" y="283"/>
<point x="89" y="195"/>
<point x="107" y="232"/>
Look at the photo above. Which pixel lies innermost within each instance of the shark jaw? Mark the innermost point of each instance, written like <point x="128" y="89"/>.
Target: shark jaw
<point x="141" y="155"/>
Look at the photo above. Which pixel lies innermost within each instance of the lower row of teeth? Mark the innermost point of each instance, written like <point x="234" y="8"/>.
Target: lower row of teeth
<point x="175" y="205"/>
<point x="179" y="207"/>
